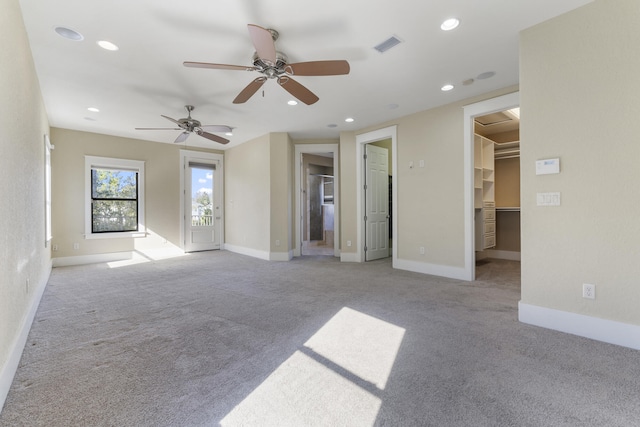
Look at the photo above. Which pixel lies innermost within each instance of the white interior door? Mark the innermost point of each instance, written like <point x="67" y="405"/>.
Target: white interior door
<point x="376" y="202"/>
<point x="203" y="211"/>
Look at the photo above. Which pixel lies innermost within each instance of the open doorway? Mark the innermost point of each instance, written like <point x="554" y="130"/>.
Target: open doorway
<point x="318" y="223"/>
<point x="480" y="202"/>
<point x="497" y="185"/>
<point x="317" y="200"/>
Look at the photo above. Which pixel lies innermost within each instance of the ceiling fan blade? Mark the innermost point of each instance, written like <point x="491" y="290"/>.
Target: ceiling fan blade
<point x="172" y="120"/>
<point x="217" y="66"/>
<point x="158" y="129"/>
<point x="216" y="128"/>
<point x="297" y="90"/>
<point x="212" y="137"/>
<point x="318" y="68"/>
<point x="248" y="91"/>
<point x="182" y="137"/>
<point x="263" y="42"/>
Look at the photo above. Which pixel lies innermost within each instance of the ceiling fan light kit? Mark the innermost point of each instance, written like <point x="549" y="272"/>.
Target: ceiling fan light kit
<point x="275" y="65"/>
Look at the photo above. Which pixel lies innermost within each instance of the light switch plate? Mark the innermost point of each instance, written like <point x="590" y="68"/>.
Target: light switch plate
<point x="548" y="199"/>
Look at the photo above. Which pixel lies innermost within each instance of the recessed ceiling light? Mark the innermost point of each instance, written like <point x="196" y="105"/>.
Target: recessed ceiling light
<point x="229" y="133"/>
<point x="69" y="34"/>
<point x="93" y="109"/>
<point x="332" y="125"/>
<point x="486" y="75"/>
<point x="107" y="45"/>
<point x="446" y="88"/>
<point x="349" y="119"/>
<point x="468" y="82"/>
<point x="450" y="24"/>
<point x="292" y="102"/>
<point x="392" y="106"/>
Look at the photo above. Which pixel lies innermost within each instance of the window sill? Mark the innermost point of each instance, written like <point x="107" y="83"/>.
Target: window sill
<point x="123" y="235"/>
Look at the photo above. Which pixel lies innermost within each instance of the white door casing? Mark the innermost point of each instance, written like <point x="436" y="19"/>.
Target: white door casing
<point x="201" y="200"/>
<point x="362" y="140"/>
<point x="301" y="149"/>
<point x="376" y="161"/>
<point x="471" y="111"/>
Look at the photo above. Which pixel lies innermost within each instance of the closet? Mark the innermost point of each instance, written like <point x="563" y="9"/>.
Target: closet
<point x="497" y="185"/>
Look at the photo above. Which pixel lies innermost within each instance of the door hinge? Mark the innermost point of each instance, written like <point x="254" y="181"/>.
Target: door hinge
<point x="365" y="217"/>
<point x="365" y="157"/>
<point x="365" y="249"/>
<point x="365" y="186"/>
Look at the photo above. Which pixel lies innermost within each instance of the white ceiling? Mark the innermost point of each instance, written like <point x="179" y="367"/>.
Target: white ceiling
<point x="145" y="78"/>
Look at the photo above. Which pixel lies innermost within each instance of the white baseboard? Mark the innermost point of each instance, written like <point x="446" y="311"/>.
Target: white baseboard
<point x="281" y="256"/>
<point x="91" y="259"/>
<point x="433" y="269"/>
<point x="349" y="257"/>
<point x="609" y="331"/>
<point x="255" y="253"/>
<point x="8" y="370"/>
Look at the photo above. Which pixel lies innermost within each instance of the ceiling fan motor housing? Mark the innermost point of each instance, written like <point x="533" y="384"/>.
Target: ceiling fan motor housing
<point x="268" y="70"/>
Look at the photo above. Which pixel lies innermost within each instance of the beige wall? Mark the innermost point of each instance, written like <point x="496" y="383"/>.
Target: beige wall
<point x="281" y="156"/>
<point x="162" y="191"/>
<point x="258" y="192"/>
<point x="580" y="95"/>
<point x="430" y="208"/>
<point x="248" y="195"/>
<point x="23" y="255"/>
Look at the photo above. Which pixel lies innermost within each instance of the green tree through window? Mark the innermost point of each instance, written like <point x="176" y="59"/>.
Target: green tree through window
<point x="114" y="200"/>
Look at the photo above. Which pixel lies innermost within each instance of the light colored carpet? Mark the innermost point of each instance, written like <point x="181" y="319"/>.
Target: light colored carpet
<point x="216" y="338"/>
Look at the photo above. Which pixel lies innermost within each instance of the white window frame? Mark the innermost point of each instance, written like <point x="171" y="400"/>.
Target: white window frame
<point x="91" y="162"/>
<point x="48" y="235"/>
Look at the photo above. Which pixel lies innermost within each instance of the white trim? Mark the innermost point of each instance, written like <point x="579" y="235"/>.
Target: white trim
<point x="432" y="269"/>
<point x="281" y="256"/>
<point x="609" y="331"/>
<point x="349" y="257"/>
<point x="255" y="253"/>
<point x="91" y="259"/>
<point x="499" y="103"/>
<point x="123" y="164"/>
<point x="389" y="132"/>
<point x="301" y="149"/>
<point x="48" y="147"/>
<point x="213" y="158"/>
<point x="8" y="370"/>
<point x="508" y="255"/>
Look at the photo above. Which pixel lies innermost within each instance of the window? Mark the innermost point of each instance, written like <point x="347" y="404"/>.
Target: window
<point x="114" y="197"/>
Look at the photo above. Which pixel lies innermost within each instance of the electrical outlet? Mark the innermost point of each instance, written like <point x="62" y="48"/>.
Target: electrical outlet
<point x="55" y="248"/>
<point x="76" y="246"/>
<point x="277" y="242"/>
<point x="348" y="242"/>
<point x="421" y="250"/>
<point x="588" y="291"/>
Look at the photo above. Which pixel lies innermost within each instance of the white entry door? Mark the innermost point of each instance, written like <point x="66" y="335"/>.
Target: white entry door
<point x="376" y="202"/>
<point x="203" y="211"/>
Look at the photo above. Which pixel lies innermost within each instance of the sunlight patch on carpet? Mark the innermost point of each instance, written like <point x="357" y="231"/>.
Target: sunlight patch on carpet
<point x="337" y="375"/>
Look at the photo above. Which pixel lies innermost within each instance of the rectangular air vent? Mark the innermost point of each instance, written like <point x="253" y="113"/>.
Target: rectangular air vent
<point x="388" y="44"/>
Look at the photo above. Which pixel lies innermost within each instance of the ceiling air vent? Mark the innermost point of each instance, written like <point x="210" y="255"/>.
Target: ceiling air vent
<point x="387" y="44"/>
